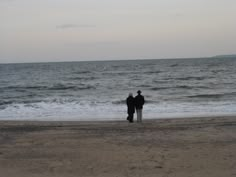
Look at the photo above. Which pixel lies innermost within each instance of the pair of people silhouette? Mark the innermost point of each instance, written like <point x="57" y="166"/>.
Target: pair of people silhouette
<point x="135" y="103"/>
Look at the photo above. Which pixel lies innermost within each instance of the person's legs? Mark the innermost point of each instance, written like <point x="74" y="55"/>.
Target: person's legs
<point x="141" y="114"/>
<point x="138" y="115"/>
<point x="131" y="117"/>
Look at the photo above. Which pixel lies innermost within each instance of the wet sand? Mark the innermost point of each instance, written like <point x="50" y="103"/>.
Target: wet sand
<point x="196" y="147"/>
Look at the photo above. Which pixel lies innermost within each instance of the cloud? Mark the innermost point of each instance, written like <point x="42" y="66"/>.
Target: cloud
<point x="70" y="26"/>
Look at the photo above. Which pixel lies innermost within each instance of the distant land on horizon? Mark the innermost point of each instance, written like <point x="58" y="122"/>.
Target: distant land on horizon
<point x="226" y="56"/>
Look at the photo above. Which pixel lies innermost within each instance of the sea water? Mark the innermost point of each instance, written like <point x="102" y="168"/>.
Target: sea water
<point x="97" y="90"/>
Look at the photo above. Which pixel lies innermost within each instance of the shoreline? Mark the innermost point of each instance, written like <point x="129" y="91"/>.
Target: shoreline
<point x="123" y="118"/>
<point x="174" y="147"/>
<point x="149" y="120"/>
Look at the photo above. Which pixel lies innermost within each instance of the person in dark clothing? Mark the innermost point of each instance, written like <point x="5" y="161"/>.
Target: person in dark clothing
<point x="139" y="102"/>
<point x="131" y="108"/>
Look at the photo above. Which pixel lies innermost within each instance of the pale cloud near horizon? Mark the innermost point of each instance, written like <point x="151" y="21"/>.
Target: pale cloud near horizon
<point x="61" y="30"/>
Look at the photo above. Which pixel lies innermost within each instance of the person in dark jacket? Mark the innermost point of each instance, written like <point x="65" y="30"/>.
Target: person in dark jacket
<point x="131" y="108"/>
<point x="139" y="102"/>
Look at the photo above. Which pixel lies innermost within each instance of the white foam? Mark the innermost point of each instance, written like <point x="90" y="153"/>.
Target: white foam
<point x="93" y="111"/>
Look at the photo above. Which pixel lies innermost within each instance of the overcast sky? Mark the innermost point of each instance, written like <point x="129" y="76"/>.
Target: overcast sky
<point x="73" y="30"/>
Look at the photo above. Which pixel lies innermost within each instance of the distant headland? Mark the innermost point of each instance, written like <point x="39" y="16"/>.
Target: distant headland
<point x="225" y="56"/>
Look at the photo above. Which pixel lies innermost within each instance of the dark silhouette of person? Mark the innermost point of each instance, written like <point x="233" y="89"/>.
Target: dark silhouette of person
<point x="130" y="107"/>
<point x="139" y="102"/>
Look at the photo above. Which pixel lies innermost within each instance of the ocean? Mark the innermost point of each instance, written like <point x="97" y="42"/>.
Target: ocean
<point x="97" y="90"/>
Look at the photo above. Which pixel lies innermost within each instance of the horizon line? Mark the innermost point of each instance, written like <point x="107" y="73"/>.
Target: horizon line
<point x="103" y="60"/>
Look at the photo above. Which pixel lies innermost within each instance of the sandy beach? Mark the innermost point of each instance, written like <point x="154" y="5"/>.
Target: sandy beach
<point x="196" y="147"/>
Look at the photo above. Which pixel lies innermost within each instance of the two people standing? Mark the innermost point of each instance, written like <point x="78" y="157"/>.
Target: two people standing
<point x="133" y="103"/>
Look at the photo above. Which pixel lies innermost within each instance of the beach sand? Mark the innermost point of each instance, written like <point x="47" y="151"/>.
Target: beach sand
<point x="196" y="147"/>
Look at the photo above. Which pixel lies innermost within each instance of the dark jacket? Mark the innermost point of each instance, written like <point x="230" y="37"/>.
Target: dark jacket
<point x="130" y="105"/>
<point x="139" y="101"/>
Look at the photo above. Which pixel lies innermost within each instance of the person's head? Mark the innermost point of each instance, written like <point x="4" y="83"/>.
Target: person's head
<point x="130" y="94"/>
<point x="139" y="92"/>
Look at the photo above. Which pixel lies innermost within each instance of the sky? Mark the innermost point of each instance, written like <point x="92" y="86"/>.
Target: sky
<point x="76" y="30"/>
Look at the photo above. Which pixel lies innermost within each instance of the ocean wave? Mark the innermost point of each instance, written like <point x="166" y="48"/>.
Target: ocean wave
<point x="65" y="87"/>
<point x="179" y="87"/>
<point x="81" y="72"/>
<point x="151" y="102"/>
<point x="13" y="103"/>
<point x="218" y="71"/>
<point x="123" y="102"/>
<point x="144" y="86"/>
<point x="217" y="95"/>
<point x="206" y="96"/>
<point x="118" y="102"/>
<point x="159" y="88"/>
<point x="22" y="87"/>
<point x="174" y="65"/>
<point x="116" y="73"/>
<point x="185" y="87"/>
<point x="191" y="78"/>
<point x="152" y="72"/>
<point x="135" y="73"/>
<point x="31" y="103"/>
<point x="54" y="87"/>
<point x="82" y="78"/>
<point x="176" y="87"/>
<point x="70" y="111"/>
<point x="3" y="102"/>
